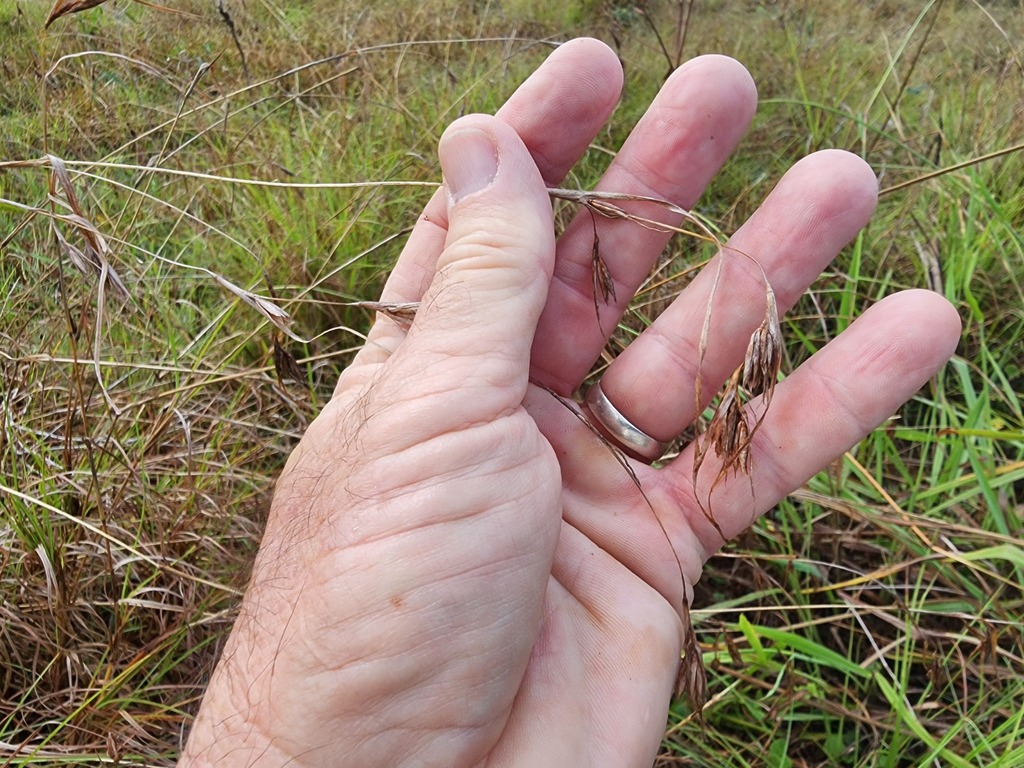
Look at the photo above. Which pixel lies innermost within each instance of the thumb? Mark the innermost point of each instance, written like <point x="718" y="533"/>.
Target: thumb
<point x="479" y="315"/>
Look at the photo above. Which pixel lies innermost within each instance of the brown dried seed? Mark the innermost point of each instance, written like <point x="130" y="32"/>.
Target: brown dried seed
<point x="64" y="7"/>
<point x="285" y="364"/>
<point x="763" y="360"/>
<point x="692" y="680"/>
<point x="403" y="312"/>
<point x="603" y="282"/>
<point x="93" y="257"/>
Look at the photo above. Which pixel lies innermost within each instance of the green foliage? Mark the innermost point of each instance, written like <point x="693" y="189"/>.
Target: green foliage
<point x="872" y="619"/>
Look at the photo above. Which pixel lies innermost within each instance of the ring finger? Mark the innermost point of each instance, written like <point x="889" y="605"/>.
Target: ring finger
<point x="818" y="207"/>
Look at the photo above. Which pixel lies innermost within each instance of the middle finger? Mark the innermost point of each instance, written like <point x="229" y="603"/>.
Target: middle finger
<point x="818" y="207"/>
<point x="691" y="127"/>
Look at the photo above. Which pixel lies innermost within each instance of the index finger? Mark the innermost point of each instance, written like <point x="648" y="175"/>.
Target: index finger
<point x="557" y="112"/>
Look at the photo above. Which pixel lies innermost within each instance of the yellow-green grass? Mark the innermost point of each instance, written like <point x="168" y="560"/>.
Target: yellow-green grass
<point x="873" y="619"/>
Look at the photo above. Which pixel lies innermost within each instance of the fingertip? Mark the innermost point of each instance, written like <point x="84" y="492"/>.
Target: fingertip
<point x="854" y="172"/>
<point x="927" y="320"/>
<point x="469" y="159"/>
<point x="726" y="74"/>
<point x="560" y="108"/>
<point x="818" y="206"/>
<point x="499" y="250"/>
<point x="480" y="153"/>
<point x="600" y="67"/>
<point x="848" y="177"/>
<point x="725" y="66"/>
<point x="898" y="344"/>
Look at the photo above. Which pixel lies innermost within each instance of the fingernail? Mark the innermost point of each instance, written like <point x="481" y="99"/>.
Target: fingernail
<point x="470" y="162"/>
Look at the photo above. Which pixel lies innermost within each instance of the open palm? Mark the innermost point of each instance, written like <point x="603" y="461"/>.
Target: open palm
<point x="457" y="571"/>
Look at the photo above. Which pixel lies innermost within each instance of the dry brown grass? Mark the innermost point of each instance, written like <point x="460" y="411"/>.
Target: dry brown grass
<point x="141" y="435"/>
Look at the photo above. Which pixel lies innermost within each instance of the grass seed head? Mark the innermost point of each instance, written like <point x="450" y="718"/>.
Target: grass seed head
<point x="92" y="258"/>
<point x="764" y="353"/>
<point x="692" y="678"/>
<point x="64" y="7"/>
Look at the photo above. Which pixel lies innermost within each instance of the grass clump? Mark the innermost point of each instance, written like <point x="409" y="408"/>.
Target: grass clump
<point x="872" y="619"/>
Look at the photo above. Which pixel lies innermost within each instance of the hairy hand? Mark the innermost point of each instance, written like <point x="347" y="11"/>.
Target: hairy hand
<point x="456" y="570"/>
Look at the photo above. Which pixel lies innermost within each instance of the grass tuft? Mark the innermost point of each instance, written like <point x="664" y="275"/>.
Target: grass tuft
<point x="231" y="187"/>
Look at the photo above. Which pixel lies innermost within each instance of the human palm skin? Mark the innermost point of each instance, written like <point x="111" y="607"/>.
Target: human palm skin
<point x="456" y="570"/>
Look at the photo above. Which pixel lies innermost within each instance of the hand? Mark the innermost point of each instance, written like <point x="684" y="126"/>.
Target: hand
<point x="456" y="571"/>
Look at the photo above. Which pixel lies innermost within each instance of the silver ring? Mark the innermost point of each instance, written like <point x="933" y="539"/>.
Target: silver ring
<point x="619" y="430"/>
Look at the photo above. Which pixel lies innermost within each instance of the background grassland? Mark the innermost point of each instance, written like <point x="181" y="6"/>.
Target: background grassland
<point x="873" y="619"/>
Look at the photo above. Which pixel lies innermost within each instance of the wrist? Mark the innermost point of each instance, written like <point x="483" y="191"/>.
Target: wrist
<point x="228" y="728"/>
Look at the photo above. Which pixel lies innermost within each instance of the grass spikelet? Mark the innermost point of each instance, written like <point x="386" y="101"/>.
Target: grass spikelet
<point x="763" y="359"/>
<point x="401" y="312"/>
<point x="692" y="678"/>
<point x="64" y="7"/>
<point x="93" y="257"/>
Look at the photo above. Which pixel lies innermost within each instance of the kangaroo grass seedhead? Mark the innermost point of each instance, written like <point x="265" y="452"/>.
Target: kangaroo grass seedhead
<point x="763" y="360"/>
<point x="731" y="431"/>
<point x="401" y="312"/>
<point x="92" y="257"/>
<point x="604" y="283"/>
<point x="64" y="7"/>
<point x="606" y="204"/>
<point x="692" y="678"/>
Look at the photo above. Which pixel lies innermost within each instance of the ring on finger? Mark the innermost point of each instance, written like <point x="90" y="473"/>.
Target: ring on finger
<point x="619" y="430"/>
